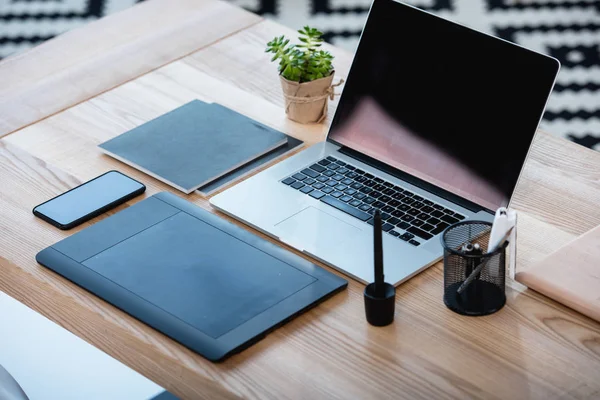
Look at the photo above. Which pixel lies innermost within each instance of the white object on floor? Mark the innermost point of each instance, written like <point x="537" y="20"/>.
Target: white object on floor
<point x="49" y="362"/>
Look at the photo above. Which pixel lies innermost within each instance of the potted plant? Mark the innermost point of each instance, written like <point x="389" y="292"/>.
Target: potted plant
<point x="306" y="74"/>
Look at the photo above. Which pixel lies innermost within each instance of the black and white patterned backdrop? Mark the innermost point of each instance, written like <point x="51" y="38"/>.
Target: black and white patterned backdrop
<point x="566" y="29"/>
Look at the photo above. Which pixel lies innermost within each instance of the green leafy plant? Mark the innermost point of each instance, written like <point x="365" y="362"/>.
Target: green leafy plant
<point x="303" y="62"/>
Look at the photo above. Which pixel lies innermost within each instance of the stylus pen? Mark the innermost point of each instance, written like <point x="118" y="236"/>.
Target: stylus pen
<point x="378" y="251"/>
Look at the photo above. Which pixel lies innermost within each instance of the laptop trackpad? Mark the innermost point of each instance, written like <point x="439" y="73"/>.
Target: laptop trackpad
<point x="312" y="228"/>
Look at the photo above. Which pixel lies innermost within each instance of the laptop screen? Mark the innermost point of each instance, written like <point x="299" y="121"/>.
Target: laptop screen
<point x="444" y="103"/>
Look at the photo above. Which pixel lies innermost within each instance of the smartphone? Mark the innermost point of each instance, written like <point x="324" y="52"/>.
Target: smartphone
<point x="89" y="200"/>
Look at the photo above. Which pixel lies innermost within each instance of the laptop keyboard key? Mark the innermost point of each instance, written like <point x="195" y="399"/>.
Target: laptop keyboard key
<point x="332" y="159"/>
<point x="341" y="187"/>
<point x="440" y="228"/>
<point x="352" y="175"/>
<point x="378" y="204"/>
<point x="350" y="192"/>
<point x="427" y="209"/>
<point x="338" y="177"/>
<point x="376" y="194"/>
<point x="369" y="200"/>
<point x="299" y="177"/>
<point x="406" y="236"/>
<point x="437" y="214"/>
<point x="385" y="198"/>
<point x="350" y="167"/>
<point x="297" y="185"/>
<point x="398" y="213"/>
<point x="327" y="190"/>
<point x="308" y="181"/>
<point x="318" y="168"/>
<point x="408" y="200"/>
<point x="459" y="217"/>
<point x="316" y="194"/>
<point x="364" y="207"/>
<point x="318" y="185"/>
<point x="427" y="227"/>
<point x="360" y="196"/>
<point x="438" y="207"/>
<point x="428" y="202"/>
<point x="389" y="192"/>
<point x="393" y="220"/>
<point x="370" y="183"/>
<point x="332" y="183"/>
<point x="359" y="171"/>
<point x="322" y="178"/>
<point x="408" y="194"/>
<point x="356" y="186"/>
<point x="324" y="162"/>
<point x="417" y="222"/>
<point x="333" y="167"/>
<point x="343" y="171"/>
<point x="369" y="175"/>
<point x="345" y="199"/>
<point x="337" y="194"/>
<point x="379" y="187"/>
<point x="388" y="209"/>
<point x="347" y="181"/>
<point x="361" y="179"/>
<point x="407" y="218"/>
<point x="404" y="207"/>
<point x="413" y="211"/>
<point x="423" y="216"/>
<point x="402" y="225"/>
<point x="388" y="184"/>
<point x="385" y="216"/>
<point x="363" y="216"/>
<point x="288" y="181"/>
<point x="386" y="227"/>
<point x="433" y="221"/>
<point x="394" y="233"/>
<point x="366" y="190"/>
<point x="329" y="173"/>
<point x="355" y="203"/>
<point x="417" y="204"/>
<point x="449" y="219"/>
<point x="417" y="198"/>
<point x="420" y="233"/>
<point x="340" y="162"/>
<point x="306" y="189"/>
<point x="310" y="172"/>
<point x="414" y="242"/>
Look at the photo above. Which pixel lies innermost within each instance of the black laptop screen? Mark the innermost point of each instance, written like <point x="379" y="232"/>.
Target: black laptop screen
<point x="449" y="105"/>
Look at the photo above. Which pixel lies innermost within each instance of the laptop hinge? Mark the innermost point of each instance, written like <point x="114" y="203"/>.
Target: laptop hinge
<point x="413" y="180"/>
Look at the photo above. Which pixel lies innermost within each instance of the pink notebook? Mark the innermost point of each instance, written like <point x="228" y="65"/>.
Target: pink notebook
<point x="570" y="275"/>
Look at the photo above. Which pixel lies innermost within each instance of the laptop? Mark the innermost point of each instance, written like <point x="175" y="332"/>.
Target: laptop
<point x="433" y="127"/>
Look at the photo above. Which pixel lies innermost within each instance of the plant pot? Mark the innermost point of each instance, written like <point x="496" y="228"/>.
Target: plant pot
<point x="307" y="102"/>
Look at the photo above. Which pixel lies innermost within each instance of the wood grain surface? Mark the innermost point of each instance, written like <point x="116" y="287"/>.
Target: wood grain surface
<point x="84" y="62"/>
<point x="533" y="348"/>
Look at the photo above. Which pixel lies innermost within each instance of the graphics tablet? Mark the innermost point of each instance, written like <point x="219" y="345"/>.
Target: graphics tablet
<point x="203" y="281"/>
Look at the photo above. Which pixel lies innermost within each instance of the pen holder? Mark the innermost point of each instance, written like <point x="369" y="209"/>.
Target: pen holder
<point x="485" y="293"/>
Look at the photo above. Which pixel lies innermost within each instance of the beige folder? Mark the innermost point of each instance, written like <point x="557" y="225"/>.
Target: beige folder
<point x="570" y="275"/>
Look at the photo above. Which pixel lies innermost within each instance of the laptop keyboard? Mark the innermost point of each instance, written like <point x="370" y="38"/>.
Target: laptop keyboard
<point x="405" y="215"/>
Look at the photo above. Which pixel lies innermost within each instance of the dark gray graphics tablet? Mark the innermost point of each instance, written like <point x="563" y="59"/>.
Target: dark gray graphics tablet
<point x="205" y="282"/>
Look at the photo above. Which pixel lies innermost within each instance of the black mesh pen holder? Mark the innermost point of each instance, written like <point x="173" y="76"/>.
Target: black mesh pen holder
<point x="470" y="287"/>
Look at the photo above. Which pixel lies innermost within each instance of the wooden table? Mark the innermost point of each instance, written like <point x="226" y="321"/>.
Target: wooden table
<point x="61" y="99"/>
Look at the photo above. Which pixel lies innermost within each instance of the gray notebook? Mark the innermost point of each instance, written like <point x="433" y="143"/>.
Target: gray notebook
<point x="194" y="144"/>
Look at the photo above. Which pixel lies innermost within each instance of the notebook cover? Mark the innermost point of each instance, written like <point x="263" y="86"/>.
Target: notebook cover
<point x="239" y="173"/>
<point x="570" y="275"/>
<point x="193" y="144"/>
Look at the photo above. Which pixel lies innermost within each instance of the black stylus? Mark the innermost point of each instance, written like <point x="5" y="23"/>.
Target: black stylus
<point x="378" y="252"/>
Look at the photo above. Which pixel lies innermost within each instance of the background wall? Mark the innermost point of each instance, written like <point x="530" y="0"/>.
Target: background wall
<point x="566" y="29"/>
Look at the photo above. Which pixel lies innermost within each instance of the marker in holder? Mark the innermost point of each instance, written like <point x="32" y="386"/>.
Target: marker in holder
<point x="474" y="281"/>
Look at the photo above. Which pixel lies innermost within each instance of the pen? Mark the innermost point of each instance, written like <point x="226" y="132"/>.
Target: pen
<point x="478" y="269"/>
<point x="378" y="253"/>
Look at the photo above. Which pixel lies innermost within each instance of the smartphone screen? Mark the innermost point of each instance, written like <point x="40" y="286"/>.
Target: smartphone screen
<point x="89" y="200"/>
